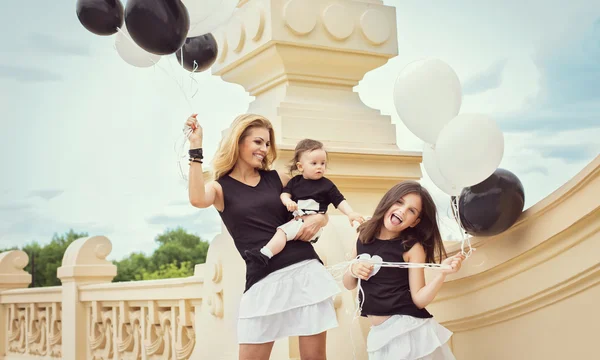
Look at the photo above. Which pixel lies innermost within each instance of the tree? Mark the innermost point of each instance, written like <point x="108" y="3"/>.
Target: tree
<point x="177" y="253"/>
<point x="45" y="260"/>
<point x="132" y="267"/>
<point x="171" y="270"/>
<point x="177" y="246"/>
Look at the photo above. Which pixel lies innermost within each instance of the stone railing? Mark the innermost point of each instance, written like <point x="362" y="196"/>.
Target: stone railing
<point x="30" y="318"/>
<point x="34" y="327"/>
<point x="88" y="317"/>
<point x="155" y="318"/>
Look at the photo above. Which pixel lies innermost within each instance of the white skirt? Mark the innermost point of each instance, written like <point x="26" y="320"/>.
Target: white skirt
<point x="403" y="337"/>
<point x="294" y="301"/>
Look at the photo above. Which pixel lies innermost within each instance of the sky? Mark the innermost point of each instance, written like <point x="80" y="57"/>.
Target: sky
<point x="88" y="142"/>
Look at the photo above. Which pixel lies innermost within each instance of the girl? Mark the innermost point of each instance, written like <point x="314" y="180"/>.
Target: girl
<point x="403" y="229"/>
<point x="308" y="193"/>
<point x="292" y="296"/>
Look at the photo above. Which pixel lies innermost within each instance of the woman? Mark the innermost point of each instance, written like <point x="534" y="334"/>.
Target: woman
<point x="292" y="296"/>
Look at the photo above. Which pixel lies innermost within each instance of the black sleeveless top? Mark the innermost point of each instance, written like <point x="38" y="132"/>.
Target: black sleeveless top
<point x="252" y="215"/>
<point x="388" y="291"/>
<point x="323" y="191"/>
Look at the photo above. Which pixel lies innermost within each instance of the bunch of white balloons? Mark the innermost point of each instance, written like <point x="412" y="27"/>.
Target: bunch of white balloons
<point x="460" y="150"/>
<point x="205" y="16"/>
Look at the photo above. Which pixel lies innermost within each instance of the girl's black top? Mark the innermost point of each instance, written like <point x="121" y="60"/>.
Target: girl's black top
<point x="388" y="291"/>
<point x="252" y="215"/>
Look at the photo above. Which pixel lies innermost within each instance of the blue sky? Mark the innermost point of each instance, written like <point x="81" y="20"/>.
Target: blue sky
<point x="87" y="140"/>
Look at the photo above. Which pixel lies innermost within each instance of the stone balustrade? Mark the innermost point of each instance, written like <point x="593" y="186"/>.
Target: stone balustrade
<point x="32" y="321"/>
<point x="89" y="317"/>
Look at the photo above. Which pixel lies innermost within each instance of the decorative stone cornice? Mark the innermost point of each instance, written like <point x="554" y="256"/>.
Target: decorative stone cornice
<point x="560" y="291"/>
<point x="351" y="26"/>
<point x="389" y="167"/>
<point x="301" y="59"/>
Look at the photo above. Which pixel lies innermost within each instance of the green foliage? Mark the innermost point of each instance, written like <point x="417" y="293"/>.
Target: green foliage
<point x="171" y="270"/>
<point x="132" y="267"/>
<point x="45" y="260"/>
<point x="177" y="254"/>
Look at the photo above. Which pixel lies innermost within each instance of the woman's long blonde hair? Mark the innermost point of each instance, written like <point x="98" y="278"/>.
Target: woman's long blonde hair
<point x="229" y="149"/>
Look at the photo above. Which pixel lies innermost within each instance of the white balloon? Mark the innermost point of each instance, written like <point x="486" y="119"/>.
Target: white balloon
<point x="131" y="52"/>
<point x="433" y="171"/>
<point x="207" y="15"/>
<point x="427" y="95"/>
<point x="469" y="149"/>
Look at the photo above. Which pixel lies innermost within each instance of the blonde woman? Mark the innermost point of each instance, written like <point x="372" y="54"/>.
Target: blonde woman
<point x="292" y="296"/>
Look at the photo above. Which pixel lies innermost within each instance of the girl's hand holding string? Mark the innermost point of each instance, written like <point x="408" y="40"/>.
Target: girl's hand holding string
<point x="361" y="270"/>
<point x="453" y="263"/>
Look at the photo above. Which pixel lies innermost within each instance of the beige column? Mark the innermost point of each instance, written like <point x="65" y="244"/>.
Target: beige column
<point x="301" y="59"/>
<point x="12" y="276"/>
<point x="83" y="263"/>
<point x="216" y="317"/>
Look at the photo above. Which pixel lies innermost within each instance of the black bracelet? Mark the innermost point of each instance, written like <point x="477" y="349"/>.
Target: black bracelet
<point x="196" y="153"/>
<point x="196" y="160"/>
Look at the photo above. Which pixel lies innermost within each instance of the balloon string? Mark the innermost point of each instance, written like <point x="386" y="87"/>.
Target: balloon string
<point x="338" y="270"/>
<point x="182" y="68"/>
<point x="193" y="80"/>
<point x="179" y="145"/>
<point x="179" y="148"/>
<point x="191" y="75"/>
<point x="357" y="312"/>
<point x="465" y="239"/>
<point x="335" y="269"/>
<point x="169" y="74"/>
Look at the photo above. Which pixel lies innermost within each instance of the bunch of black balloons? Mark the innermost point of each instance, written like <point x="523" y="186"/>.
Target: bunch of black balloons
<point x="492" y="206"/>
<point x="159" y="27"/>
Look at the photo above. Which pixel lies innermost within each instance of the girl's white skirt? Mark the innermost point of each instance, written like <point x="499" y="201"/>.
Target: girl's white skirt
<point x="294" y="301"/>
<point x="403" y="337"/>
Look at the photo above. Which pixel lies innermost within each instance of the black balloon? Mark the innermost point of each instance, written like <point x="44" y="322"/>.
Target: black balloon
<point x="199" y="53"/>
<point x="101" y="17"/>
<point x="492" y="206"/>
<point x="157" y="26"/>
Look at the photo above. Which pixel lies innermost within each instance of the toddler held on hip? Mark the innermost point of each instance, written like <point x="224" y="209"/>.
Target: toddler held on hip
<point x="308" y="193"/>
